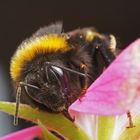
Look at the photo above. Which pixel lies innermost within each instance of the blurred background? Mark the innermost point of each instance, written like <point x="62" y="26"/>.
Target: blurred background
<point x="19" y="19"/>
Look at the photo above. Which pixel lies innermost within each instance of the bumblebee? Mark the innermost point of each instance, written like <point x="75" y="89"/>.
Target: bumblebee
<point x="52" y="69"/>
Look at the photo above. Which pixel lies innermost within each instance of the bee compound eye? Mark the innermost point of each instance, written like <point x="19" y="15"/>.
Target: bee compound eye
<point x="58" y="70"/>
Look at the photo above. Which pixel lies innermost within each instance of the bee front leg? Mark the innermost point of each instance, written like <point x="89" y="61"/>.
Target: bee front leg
<point x="102" y="54"/>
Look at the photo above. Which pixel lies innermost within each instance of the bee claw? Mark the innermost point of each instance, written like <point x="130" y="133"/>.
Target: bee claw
<point x="129" y="116"/>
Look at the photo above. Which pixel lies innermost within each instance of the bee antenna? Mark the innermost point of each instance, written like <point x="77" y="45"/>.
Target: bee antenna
<point x="17" y="105"/>
<point x="29" y="85"/>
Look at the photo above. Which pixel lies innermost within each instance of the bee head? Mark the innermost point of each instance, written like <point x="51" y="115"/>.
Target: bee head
<point x="54" y="85"/>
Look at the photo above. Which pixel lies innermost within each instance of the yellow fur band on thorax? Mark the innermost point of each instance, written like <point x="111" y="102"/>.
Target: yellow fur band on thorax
<point x="30" y="49"/>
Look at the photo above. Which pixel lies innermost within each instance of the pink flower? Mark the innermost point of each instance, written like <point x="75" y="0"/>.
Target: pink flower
<point x="25" y="134"/>
<point x="115" y="91"/>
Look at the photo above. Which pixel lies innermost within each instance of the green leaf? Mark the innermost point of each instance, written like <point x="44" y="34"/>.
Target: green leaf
<point x="56" y="122"/>
<point x="47" y="134"/>
<point x="132" y="133"/>
<point x="105" y="127"/>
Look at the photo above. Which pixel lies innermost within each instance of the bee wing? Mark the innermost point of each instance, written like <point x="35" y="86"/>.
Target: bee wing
<point x="118" y="87"/>
<point x="55" y="28"/>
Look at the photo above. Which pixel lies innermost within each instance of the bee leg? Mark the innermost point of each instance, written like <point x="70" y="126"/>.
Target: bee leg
<point x="130" y="122"/>
<point x="107" y="48"/>
<point x="106" y="53"/>
<point x="83" y="92"/>
<point x="83" y="67"/>
<point x="17" y="105"/>
<point x="101" y="54"/>
<point x="104" y="46"/>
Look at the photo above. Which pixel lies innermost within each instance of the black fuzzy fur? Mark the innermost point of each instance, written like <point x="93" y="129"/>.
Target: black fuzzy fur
<point x="81" y="52"/>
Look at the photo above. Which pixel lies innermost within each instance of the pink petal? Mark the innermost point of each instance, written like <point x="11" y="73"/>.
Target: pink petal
<point x="116" y="89"/>
<point x="25" y="134"/>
